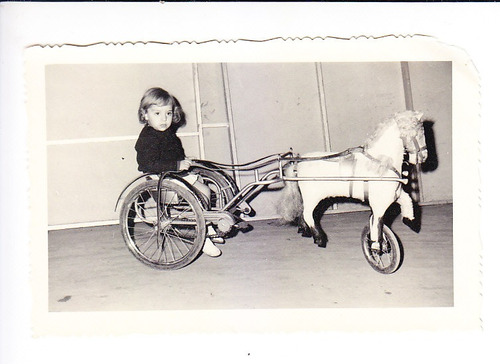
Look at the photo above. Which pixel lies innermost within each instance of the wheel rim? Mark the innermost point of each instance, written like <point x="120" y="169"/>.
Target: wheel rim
<point x="384" y="257"/>
<point x="171" y="241"/>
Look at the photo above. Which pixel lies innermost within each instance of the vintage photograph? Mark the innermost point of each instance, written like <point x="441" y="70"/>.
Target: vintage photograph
<point x="222" y="132"/>
<point x="251" y="182"/>
<point x="221" y="186"/>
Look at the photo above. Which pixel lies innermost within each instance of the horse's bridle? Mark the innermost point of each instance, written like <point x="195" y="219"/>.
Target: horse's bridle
<point x="418" y="150"/>
<point x="412" y="146"/>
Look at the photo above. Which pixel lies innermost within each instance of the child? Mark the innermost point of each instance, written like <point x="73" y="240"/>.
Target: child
<point x="159" y="149"/>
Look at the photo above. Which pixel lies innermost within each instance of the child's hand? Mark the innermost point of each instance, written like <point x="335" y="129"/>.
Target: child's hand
<point x="185" y="164"/>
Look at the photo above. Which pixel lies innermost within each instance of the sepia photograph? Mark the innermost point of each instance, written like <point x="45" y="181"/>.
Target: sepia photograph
<point x="248" y="182"/>
<point x="284" y="184"/>
<point x="292" y="180"/>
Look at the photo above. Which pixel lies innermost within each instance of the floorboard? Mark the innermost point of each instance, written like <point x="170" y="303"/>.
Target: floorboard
<point x="90" y="269"/>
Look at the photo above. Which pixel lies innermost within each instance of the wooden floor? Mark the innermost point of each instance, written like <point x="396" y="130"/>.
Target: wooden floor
<point x="269" y="267"/>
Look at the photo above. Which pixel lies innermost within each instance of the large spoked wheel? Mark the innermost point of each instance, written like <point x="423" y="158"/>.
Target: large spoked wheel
<point x="163" y="231"/>
<point x="385" y="257"/>
<point x="222" y="187"/>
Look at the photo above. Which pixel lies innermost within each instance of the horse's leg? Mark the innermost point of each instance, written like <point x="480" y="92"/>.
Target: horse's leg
<point x="376" y="226"/>
<point x="379" y="208"/>
<point x="303" y="228"/>
<point x="319" y="234"/>
<point x="312" y="217"/>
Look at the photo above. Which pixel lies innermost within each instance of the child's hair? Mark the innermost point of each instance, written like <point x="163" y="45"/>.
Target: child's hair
<point x="160" y="97"/>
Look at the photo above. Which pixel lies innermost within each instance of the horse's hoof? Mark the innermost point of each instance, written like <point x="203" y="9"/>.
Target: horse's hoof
<point x="320" y="243"/>
<point x="305" y="232"/>
<point x="412" y="224"/>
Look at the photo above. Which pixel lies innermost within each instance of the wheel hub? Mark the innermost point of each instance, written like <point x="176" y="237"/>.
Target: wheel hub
<point x="164" y="223"/>
<point x="225" y="224"/>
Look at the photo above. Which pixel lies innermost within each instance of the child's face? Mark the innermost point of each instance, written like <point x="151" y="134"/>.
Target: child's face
<point x="159" y="117"/>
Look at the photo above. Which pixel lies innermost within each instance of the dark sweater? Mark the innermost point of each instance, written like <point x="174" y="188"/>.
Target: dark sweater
<point x="158" y="151"/>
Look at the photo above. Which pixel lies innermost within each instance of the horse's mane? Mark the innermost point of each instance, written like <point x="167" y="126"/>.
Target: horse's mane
<point x="408" y="122"/>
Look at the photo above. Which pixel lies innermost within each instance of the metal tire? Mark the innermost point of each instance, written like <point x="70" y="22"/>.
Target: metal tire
<point x="389" y="258"/>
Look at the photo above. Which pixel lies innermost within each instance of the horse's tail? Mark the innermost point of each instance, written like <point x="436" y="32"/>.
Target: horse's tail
<point x="290" y="205"/>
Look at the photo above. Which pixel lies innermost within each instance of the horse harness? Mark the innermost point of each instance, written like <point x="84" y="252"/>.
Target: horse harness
<point x="364" y="152"/>
<point x="348" y="154"/>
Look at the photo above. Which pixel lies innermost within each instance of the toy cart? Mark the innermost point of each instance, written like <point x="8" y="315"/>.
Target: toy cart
<point x="164" y="219"/>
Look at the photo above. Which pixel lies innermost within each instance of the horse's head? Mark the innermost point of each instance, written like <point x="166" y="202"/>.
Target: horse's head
<point x="412" y="133"/>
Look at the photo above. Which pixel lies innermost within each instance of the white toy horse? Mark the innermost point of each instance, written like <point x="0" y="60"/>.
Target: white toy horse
<point x="380" y="157"/>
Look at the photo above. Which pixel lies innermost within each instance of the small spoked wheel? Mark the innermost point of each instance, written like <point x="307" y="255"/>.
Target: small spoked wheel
<point x="385" y="257"/>
<point x="163" y="230"/>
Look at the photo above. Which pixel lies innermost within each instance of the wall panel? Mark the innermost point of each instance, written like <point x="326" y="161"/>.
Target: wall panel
<point x="275" y="107"/>
<point x="95" y="101"/>
<point x="213" y="103"/>
<point x="431" y="84"/>
<point x="216" y="142"/>
<point x="358" y="97"/>
<point x="84" y="180"/>
<point x="216" y="138"/>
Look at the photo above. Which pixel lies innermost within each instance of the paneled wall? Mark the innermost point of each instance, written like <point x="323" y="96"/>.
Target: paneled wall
<point x="92" y="125"/>
<point x="235" y="113"/>
<point x="274" y="107"/>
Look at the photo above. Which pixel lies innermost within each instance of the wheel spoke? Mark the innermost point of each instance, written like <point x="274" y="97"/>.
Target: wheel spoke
<point x="180" y="238"/>
<point x="183" y="239"/>
<point x="152" y="244"/>
<point x="169" y="248"/>
<point x="173" y="244"/>
<point x="378" y="259"/>
<point x="150" y="239"/>
<point x="181" y="212"/>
